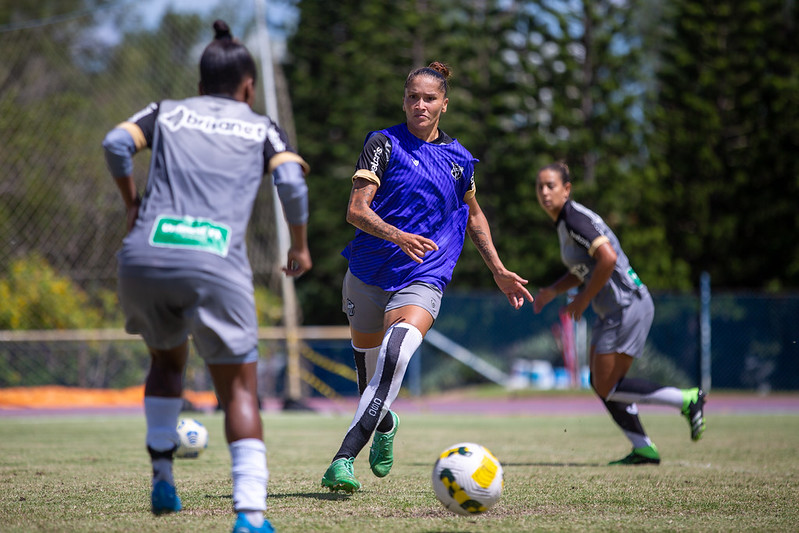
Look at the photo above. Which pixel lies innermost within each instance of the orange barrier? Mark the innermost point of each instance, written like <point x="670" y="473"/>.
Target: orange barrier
<point x="55" y="396"/>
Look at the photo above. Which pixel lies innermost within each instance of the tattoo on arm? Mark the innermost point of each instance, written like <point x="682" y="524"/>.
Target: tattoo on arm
<point x="362" y="216"/>
<point x="483" y="243"/>
<point x="374" y="225"/>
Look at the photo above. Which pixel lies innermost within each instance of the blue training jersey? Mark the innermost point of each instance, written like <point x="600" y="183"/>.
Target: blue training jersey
<point x="422" y="190"/>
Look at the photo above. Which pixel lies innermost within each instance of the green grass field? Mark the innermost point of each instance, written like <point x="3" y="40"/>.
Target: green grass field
<point x="91" y="473"/>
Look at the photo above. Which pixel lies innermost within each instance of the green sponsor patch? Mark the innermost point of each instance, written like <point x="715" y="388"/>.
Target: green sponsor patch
<point x="194" y="233"/>
<point x="634" y="277"/>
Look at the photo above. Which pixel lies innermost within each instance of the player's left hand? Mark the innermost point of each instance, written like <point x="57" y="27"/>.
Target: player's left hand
<point x="513" y="286"/>
<point x="576" y="308"/>
<point x="298" y="262"/>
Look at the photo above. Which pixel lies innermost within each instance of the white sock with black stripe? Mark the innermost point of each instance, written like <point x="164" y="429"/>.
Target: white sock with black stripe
<point x="399" y="344"/>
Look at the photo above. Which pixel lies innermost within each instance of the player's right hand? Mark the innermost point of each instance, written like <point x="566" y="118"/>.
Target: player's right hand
<point x="415" y="246"/>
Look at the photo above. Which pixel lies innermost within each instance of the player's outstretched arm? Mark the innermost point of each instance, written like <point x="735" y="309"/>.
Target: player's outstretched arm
<point x="510" y="283"/>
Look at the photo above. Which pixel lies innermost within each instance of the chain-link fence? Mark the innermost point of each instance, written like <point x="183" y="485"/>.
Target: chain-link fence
<point x="64" y="82"/>
<point x="66" y="79"/>
<point x="72" y="70"/>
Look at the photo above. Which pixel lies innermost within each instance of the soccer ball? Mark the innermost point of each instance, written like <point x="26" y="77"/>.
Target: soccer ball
<point x="467" y="478"/>
<point x="193" y="438"/>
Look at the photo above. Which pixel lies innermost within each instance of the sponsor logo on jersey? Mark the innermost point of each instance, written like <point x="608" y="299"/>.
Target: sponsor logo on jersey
<point x="579" y="239"/>
<point x="375" y="163"/>
<point x="274" y="138"/>
<point x="457" y="171"/>
<point x="581" y="271"/>
<point x="188" y="232"/>
<point x="183" y="117"/>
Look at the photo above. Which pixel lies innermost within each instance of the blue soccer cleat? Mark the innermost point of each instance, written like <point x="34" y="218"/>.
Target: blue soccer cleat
<point x="243" y="525"/>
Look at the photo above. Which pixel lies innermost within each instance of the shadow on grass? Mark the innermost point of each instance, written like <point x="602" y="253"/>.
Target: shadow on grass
<point x="329" y="496"/>
<point x="506" y="465"/>
<point x="571" y="465"/>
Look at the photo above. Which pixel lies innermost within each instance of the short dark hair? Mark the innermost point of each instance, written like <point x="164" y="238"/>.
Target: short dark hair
<point x="225" y="62"/>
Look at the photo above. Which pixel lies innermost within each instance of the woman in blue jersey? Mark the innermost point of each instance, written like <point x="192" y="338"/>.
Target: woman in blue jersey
<point x="183" y="267"/>
<point x="624" y="308"/>
<point x="412" y="202"/>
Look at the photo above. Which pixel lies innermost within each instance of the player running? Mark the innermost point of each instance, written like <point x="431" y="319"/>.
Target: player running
<point x="624" y="308"/>
<point x="412" y="200"/>
<point x="183" y="267"/>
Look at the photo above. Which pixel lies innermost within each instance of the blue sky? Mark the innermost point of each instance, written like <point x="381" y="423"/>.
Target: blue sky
<point x="279" y="14"/>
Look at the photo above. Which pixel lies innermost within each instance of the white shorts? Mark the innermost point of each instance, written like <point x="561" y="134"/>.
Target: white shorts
<point x="165" y="306"/>
<point x="366" y="304"/>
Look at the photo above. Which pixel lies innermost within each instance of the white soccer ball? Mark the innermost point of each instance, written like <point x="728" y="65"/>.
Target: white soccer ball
<point x="467" y="478"/>
<point x="193" y="438"/>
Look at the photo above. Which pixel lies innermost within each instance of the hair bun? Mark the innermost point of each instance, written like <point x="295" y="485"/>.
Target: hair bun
<point x="441" y="68"/>
<point x="222" y="30"/>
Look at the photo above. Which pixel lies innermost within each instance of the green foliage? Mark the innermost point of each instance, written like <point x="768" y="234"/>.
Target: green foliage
<point x="678" y="120"/>
<point x="268" y="306"/>
<point x="35" y="296"/>
<point x="531" y="83"/>
<point x="725" y="130"/>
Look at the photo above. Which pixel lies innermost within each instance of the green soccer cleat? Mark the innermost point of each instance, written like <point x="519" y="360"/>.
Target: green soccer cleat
<point x="693" y="403"/>
<point x="339" y="476"/>
<point x="645" y="455"/>
<point x="381" y="454"/>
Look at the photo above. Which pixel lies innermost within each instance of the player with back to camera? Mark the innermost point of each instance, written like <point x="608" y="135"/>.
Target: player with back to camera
<point x="412" y="200"/>
<point x="624" y="308"/>
<point x="183" y="267"/>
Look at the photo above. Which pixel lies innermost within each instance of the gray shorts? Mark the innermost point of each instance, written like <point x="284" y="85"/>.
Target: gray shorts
<point x="625" y="331"/>
<point x="165" y="306"/>
<point x="365" y="304"/>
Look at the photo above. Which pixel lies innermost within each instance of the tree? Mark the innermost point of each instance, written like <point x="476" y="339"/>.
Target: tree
<point x="532" y="83"/>
<point x="725" y="131"/>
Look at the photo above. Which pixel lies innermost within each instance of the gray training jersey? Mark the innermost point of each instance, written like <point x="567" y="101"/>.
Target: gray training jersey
<point x="209" y="155"/>
<point x="581" y="232"/>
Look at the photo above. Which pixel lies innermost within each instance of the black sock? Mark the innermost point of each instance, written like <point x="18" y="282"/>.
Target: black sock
<point x="629" y="423"/>
<point x="360" y="369"/>
<point x="637" y="386"/>
<point x="387" y="424"/>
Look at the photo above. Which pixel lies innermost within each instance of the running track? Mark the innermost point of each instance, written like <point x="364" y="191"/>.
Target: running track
<point x="510" y="405"/>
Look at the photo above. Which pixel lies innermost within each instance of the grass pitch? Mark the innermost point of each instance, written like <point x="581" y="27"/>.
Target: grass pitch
<point x="92" y="473"/>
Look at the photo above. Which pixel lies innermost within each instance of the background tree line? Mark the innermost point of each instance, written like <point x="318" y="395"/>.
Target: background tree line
<point x="678" y="119"/>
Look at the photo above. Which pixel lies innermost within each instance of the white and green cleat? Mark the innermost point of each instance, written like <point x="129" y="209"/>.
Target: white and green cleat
<point x="693" y="403"/>
<point x="645" y="455"/>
